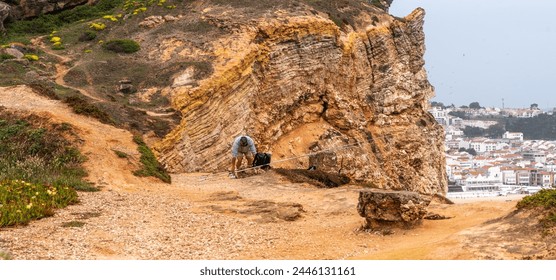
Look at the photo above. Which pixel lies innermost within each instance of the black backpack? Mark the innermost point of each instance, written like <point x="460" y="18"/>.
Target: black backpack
<point x="263" y="160"/>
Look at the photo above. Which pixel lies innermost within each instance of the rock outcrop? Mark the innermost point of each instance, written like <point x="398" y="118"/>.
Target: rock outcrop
<point x="299" y="84"/>
<point x="24" y="9"/>
<point x="340" y="85"/>
<point x="384" y="209"/>
<point x="5" y="11"/>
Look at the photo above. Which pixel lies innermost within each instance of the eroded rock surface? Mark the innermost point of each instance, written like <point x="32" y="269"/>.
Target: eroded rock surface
<point x="299" y="84"/>
<point x="392" y="208"/>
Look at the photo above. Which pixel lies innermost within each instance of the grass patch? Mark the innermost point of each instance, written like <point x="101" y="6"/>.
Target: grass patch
<point x="318" y="178"/>
<point x="40" y="168"/>
<point x="151" y="166"/>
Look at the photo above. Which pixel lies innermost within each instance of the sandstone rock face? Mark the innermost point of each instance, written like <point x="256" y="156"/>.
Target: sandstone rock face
<point x="353" y="99"/>
<point x="392" y="208"/>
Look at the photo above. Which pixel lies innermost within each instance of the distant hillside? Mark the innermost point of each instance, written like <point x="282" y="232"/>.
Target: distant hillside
<point x="542" y="127"/>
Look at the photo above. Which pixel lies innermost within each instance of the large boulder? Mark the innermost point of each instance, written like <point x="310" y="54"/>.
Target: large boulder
<point x="401" y="209"/>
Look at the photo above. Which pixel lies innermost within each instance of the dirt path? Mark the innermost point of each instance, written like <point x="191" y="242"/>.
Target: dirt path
<point x="100" y="139"/>
<point x="62" y="68"/>
<point x="210" y="216"/>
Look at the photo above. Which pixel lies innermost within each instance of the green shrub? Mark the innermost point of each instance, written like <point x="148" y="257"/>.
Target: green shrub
<point x="122" y="46"/>
<point x="151" y="166"/>
<point x="5" y="56"/>
<point x="545" y="199"/>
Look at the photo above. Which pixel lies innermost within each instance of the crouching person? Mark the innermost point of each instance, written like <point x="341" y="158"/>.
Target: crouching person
<point x="242" y="146"/>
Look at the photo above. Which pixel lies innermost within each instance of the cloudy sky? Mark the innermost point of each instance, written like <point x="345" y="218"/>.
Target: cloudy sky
<point x="493" y="52"/>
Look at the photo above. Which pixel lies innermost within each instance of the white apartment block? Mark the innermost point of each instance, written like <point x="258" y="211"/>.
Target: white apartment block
<point x="534" y="156"/>
<point x="513" y="136"/>
<point x="440" y="115"/>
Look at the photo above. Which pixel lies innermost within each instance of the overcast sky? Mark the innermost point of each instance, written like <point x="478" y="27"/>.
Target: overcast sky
<point x="489" y="50"/>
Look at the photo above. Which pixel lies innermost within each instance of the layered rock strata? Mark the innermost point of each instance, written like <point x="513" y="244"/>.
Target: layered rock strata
<point x="383" y="209"/>
<point x="354" y="100"/>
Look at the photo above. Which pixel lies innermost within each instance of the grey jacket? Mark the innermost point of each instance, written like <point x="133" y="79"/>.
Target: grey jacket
<point x="236" y="148"/>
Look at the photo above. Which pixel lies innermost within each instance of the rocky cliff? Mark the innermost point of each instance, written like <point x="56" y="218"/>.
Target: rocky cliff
<point x="340" y="85"/>
<point x="353" y="99"/>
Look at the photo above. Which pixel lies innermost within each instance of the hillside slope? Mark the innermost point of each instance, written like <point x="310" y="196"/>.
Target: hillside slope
<point x="301" y="77"/>
<point x="210" y="216"/>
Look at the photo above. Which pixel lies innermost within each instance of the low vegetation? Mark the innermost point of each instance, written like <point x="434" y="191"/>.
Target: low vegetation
<point x="151" y="166"/>
<point x="545" y="201"/>
<point x="122" y="46"/>
<point x="21" y="201"/>
<point x="121" y="154"/>
<point x="83" y="107"/>
<point x="45" y="24"/>
<point x="40" y="168"/>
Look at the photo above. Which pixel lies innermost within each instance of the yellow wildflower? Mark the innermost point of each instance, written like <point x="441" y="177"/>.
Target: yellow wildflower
<point x="97" y="26"/>
<point x="32" y="57"/>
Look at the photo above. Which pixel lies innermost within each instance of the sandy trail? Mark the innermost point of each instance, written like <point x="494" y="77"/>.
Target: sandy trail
<point x="210" y="216"/>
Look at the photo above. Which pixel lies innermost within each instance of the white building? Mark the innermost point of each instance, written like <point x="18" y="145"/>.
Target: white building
<point x="513" y="135"/>
<point x="481" y="183"/>
<point x="509" y="177"/>
<point x="440" y="115"/>
<point x="534" y="156"/>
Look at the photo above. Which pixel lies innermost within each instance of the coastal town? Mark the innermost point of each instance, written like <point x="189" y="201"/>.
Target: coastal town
<point x="480" y="166"/>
